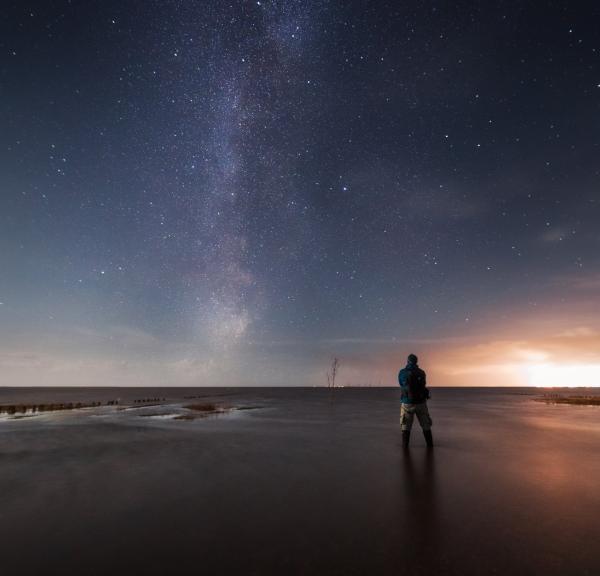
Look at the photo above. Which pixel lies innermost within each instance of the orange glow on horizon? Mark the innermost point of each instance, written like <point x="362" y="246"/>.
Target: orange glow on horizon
<point x="549" y="375"/>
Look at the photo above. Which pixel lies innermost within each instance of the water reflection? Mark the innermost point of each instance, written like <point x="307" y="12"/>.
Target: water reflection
<point x="419" y="487"/>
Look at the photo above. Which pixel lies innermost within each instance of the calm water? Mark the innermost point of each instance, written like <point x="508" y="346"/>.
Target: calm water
<point x="300" y="485"/>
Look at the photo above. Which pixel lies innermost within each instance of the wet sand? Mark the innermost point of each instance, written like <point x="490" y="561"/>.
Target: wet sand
<point x="301" y="485"/>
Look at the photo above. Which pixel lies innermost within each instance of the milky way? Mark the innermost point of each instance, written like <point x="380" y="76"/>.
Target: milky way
<point x="233" y="192"/>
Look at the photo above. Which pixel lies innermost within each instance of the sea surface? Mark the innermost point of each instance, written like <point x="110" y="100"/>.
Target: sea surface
<point x="299" y="481"/>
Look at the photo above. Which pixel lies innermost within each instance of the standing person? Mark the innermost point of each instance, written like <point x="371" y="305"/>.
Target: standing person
<point x="415" y="393"/>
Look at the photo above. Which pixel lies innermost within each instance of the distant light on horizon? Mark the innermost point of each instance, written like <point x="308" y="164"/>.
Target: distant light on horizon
<point x="551" y="375"/>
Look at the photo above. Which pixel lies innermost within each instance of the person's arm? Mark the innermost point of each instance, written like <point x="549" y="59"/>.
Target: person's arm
<point x="427" y="393"/>
<point x="402" y="380"/>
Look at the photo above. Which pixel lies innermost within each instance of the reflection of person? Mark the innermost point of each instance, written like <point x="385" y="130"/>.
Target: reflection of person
<point x="419" y="490"/>
<point x="415" y="393"/>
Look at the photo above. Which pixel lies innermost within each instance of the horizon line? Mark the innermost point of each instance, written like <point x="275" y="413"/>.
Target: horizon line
<point x="3" y="387"/>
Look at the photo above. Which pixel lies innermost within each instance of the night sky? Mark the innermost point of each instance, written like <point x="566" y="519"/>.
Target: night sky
<point x="230" y="193"/>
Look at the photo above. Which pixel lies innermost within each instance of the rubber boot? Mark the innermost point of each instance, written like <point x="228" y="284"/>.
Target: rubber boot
<point x="428" y="438"/>
<point x="405" y="438"/>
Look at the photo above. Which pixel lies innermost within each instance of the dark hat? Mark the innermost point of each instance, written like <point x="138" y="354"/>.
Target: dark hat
<point x="412" y="359"/>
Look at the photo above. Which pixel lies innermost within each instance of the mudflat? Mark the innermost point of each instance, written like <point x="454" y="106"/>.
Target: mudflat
<point x="297" y="481"/>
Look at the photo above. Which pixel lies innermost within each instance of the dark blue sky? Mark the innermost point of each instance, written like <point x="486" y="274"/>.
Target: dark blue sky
<point x="232" y="192"/>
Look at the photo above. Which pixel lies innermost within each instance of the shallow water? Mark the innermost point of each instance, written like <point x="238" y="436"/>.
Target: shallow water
<point x="303" y="484"/>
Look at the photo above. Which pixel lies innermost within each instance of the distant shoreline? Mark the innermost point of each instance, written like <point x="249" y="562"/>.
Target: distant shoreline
<point x="292" y="387"/>
<point x="570" y="400"/>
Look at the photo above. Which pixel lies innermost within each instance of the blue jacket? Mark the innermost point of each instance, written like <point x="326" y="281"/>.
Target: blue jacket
<point x="417" y="392"/>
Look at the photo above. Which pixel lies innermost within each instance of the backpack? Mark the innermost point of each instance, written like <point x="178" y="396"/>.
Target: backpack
<point x="415" y="385"/>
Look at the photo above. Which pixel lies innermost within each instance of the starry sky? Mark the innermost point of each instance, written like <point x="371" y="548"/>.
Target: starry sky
<point x="231" y="193"/>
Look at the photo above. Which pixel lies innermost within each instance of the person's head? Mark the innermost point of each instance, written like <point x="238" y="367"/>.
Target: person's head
<point x="412" y="359"/>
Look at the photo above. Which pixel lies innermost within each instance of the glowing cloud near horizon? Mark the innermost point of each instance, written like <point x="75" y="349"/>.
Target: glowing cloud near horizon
<point x="564" y="375"/>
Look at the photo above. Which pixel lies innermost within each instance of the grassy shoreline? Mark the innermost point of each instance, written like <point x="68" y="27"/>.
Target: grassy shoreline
<point x="570" y="400"/>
